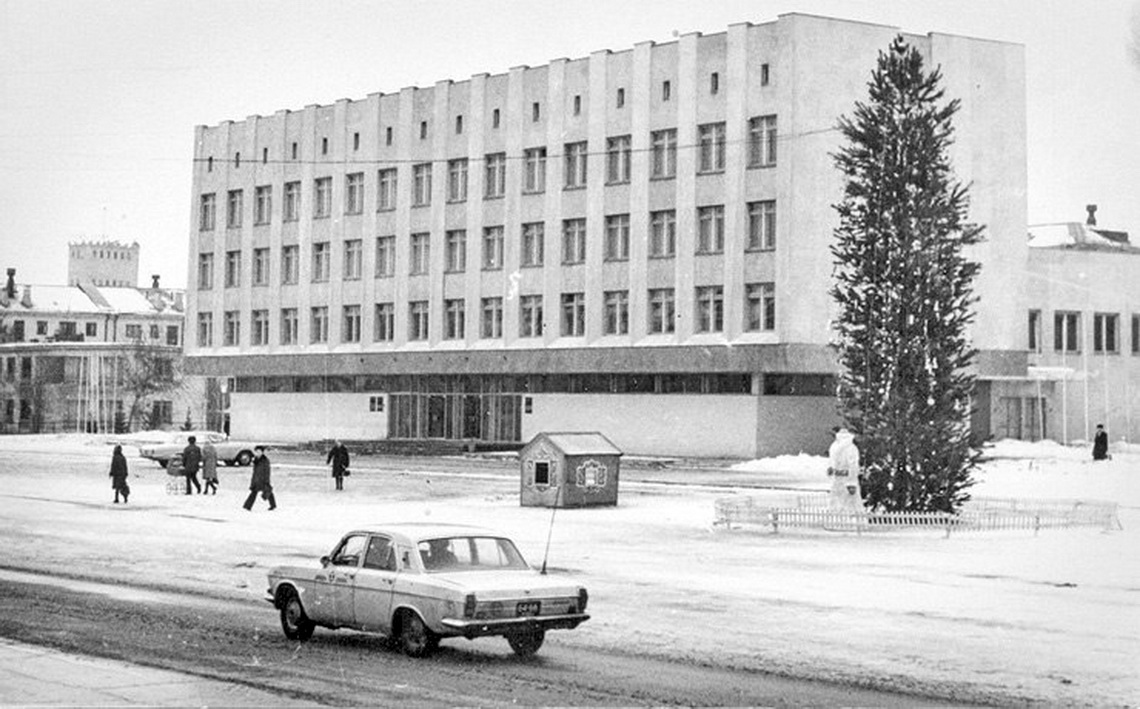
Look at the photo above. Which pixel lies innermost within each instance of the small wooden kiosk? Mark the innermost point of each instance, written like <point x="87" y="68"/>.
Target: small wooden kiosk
<point x="573" y="469"/>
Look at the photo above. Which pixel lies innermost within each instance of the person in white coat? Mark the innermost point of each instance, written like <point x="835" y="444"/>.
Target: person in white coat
<point x="843" y="468"/>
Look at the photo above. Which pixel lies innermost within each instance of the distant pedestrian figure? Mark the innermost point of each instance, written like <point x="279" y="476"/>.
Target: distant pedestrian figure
<point x="119" y="475"/>
<point x="210" y="467"/>
<point x="1100" y="443"/>
<point x="259" y="481"/>
<point x="191" y="461"/>
<point x="843" y="467"/>
<point x="338" y="456"/>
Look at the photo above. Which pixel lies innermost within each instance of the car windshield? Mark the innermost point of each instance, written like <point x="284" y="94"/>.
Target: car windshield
<point x="469" y="554"/>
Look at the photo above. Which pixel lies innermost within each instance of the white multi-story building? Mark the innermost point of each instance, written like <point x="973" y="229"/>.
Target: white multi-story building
<point x="633" y="242"/>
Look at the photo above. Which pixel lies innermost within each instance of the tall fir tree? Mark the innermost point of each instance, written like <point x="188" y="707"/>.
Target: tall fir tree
<point x="904" y="290"/>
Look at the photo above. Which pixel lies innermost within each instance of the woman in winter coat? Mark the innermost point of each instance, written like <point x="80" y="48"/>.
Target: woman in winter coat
<point x="119" y="474"/>
<point x="210" y="467"/>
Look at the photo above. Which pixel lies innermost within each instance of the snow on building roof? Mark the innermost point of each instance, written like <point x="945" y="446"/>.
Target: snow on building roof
<point x="574" y="443"/>
<point x="127" y="300"/>
<point x="88" y="299"/>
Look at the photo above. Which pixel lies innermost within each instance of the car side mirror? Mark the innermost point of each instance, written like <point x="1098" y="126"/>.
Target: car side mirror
<point x="324" y="562"/>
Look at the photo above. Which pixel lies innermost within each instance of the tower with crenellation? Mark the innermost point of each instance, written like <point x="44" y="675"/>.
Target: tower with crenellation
<point x="103" y="263"/>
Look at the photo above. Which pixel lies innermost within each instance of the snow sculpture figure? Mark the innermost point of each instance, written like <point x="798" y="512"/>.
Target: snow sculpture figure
<point x="843" y="468"/>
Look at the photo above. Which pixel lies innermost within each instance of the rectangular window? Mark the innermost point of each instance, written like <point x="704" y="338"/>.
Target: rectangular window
<point x="206" y="212"/>
<point x="663" y="153"/>
<point x="530" y="316"/>
<point x="262" y="204"/>
<point x="491" y="322"/>
<point x="710" y="231"/>
<point x="353" y="259"/>
<point x="573" y="314"/>
<point x="456" y="251"/>
<point x="153" y="331"/>
<point x="90" y="329"/>
<point x="261" y="267"/>
<point x="495" y="175"/>
<point x="233" y="209"/>
<point x="1106" y="327"/>
<point x="386" y="189"/>
<point x="710" y="309"/>
<point x="421" y="184"/>
<point x="1136" y="334"/>
<point x="321" y="257"/>
<point x="233" y="269"/>
<point x="231" y="328"/>
<point x="42" y="326"/>
<point x="666" y="90"/>
<point x="259" y="327"/>
<point x="710" y="138"/>
<point x="663" y="233"/>
<point x="133" y="332"/>
<point x="288" y="326"/>
<point x="760" y="307"/>
<point x="454" y="312"/>
<point x="322" y="197"/>
<point x="618" y="152"/>
<point x="418" y="320"/>
<point x="575" y="161"/>
<point x="762" y="225"/>
<point x="205" y="329"/>
<point x="535" y="112"/>
<point x="534" y="170"/>
<point x="621" y="98"/>
<point x="354" y="193"/>
<point x="764" y="74"/>
<point x="290" y="264"/>
<point x="350" y="324"/>
<point x="1034" y="330"/>
<point x="319" y="324"/>
<point x="421" y="253"/>
<point x="385" y="326"/>
<point x="492" y="248"/>
<point x="762" y="141"/>
<point x="661" y="313"/>
<point x="172" y="335"/>
<point x="573" y="241"/>
<point x="1066" y="331"/>
<point x="617" y="237"/>
<point x="385" y="256"/>
<point x="714" y="83"/>
<point x="533" y="237"/>
<point x="292" y="210"/>
<point x="457" y="180"/>
<point x="617" y="312"/>
<point x="205" y="271"/>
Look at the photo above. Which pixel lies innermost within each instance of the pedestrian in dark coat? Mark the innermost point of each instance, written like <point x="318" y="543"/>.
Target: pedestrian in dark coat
<point x="210" y="467"/>
<point x="1100" y="443"/>
<point x="119" y="475"/>
<point x="191" y="461"/>
<point x="259" y="481"/>
<point x="338" y="456"/>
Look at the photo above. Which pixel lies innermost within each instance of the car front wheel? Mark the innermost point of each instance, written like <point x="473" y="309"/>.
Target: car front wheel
<point x="294" y="622"/>
<point x="244" y="458"/>
<point x="415" y="638"/>
<point x="526" y="643"/>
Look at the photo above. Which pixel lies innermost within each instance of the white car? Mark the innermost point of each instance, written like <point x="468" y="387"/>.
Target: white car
<point x="230" y="452"/>
<point x="418" y="583"/>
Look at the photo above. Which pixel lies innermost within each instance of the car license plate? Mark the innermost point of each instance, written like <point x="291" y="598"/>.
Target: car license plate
<point x="528" y="608"/>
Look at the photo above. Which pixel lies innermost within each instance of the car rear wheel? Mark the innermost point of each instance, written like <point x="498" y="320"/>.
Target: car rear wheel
<point x="244" y="458"/>
<point x="415" y="638"/>
<point x="294" y="622"/>
<point x="526" y="643"/>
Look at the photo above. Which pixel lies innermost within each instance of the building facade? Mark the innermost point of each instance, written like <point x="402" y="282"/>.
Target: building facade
<point x="634" y="242"/>
<point x="103" y="263"/>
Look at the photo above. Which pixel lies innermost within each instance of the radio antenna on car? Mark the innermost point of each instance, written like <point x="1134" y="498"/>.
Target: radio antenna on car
<point x="550" y="530"/>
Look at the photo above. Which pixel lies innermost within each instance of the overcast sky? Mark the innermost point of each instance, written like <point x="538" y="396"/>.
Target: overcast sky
<point x="98" y="100"/>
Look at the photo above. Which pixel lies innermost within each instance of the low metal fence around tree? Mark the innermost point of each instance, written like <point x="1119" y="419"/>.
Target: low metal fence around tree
<point x="978" y="514"/>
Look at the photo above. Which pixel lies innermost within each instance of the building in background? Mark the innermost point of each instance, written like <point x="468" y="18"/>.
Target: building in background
<point x="1083" y="335"/>
<point x="81" y="357"/>
<point x="103" y="263"/>
<point x="634" y="242"/>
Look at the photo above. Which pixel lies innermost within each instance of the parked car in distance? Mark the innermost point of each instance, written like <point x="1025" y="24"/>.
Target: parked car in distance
<point x="230" y="452"/>
<point x="418" y="583"/>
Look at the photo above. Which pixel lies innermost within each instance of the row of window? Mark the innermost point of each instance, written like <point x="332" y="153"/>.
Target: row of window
<point x="662" y="235"/>
<point x="759" y="315"/>
<point x="1068" y="337"/>
<point x="535" y="116"/>
<point x="69" y="330"/>
<point x="662" y="165"/>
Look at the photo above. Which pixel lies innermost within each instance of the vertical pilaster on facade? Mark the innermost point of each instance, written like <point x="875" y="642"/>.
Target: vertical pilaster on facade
<point x="598" y="109"/>
<point x="440" y="125"/>
<point x="475" y="277"/>
<point x="404" y="125"/>
<point x="553" y="199"/>
<point x="531" y="280"/>
<point x="309" y="166"/>
<point x="687" y="89"/>
<point x="737" y="86"/>
<point x="640" y="98"/>
<point x="369" y="157"/>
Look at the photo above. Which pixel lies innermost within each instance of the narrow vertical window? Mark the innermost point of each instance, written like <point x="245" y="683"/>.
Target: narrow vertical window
<point x="264" y="155"/>
<point x="577" y="104"/>
<point x="293" y="151"/>
<point x="423" y="130"/>
<point x="535" y="112"/>
<point x="621" y="98"/>
<point x="1034" y="329"/>
<point x="714" y="83"/>
<point x="495" y="118"/>
<point x="324" y="146"/>
<point x="764" y="75"/>
<point x="459" y="125"/>
<point x="388" y="135"/>
<point x="666" y="90"/>
<point x="356" y="141"/>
